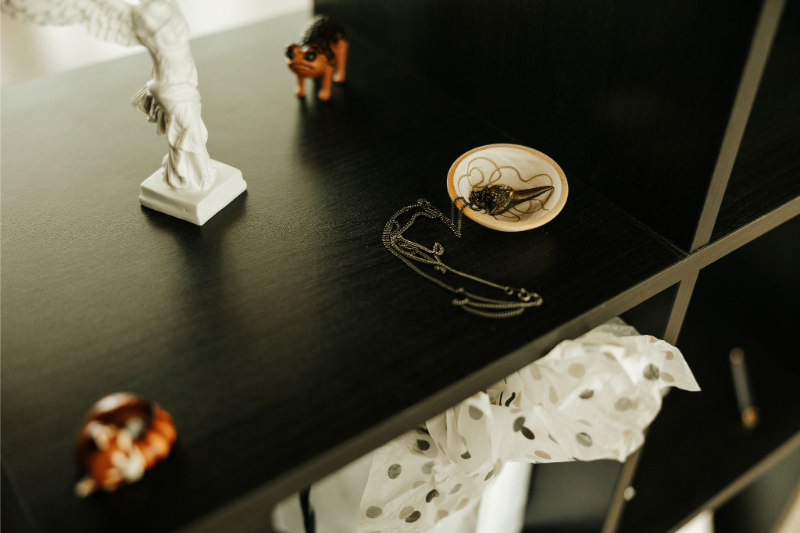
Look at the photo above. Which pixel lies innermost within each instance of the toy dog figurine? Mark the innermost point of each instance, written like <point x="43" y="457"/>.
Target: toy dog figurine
<point x="322" y="53"/>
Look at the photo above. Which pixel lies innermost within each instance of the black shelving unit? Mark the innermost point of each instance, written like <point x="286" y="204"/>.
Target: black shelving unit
<point x="282" y="336"/>
<point x="698" y="456"/>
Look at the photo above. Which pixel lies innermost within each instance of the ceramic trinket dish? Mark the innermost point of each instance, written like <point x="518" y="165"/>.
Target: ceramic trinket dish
<point x="320" y="54"/>
<point x="122" y="436"/>
<point x="518" y="187"/>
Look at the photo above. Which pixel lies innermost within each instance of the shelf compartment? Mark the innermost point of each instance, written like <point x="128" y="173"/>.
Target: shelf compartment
<point x="697" y="455"/>
<point x="635" y="96"/>
<point x="766" y="173"/>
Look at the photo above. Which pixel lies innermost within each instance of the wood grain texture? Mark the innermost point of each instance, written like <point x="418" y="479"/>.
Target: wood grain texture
<point x="767" y="169"/>
<point x="282" y="330"/>
<point x="636" y="95"/>
<point x="697" y="452"/>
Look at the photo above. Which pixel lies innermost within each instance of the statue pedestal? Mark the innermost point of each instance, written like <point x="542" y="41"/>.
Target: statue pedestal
<point x="193" y="206"/>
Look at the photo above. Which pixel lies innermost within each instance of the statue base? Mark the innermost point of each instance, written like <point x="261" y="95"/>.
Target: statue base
<point x="193" y="206"/>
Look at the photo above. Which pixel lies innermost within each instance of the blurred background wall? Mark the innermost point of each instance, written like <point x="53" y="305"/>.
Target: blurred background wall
<point x="28" y="51"/>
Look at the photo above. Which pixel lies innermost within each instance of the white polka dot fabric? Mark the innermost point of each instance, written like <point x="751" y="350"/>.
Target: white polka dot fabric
<point x="590" y="398"/>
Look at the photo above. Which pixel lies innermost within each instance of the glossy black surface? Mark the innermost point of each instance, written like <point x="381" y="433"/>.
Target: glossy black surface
<point x="767" y="169"/>
<point x="281" y="329"/>
<point x="697" y="446"/>
<point x="631" y="97"/>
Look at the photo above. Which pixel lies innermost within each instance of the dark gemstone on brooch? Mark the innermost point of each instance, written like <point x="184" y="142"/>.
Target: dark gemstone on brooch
<point x="497" y="199"/>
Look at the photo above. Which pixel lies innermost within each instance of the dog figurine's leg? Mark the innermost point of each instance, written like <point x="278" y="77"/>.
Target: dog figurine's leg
<point x="327" y="77"/>
<point x="301" y="86"/>
<point x="341" y="60"/>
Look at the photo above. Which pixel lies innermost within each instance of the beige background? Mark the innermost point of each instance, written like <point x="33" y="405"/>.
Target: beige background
<point x="28" y="51"/>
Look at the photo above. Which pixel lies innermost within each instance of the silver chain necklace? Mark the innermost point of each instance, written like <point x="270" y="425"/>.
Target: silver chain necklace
<point x="410" y="252"/>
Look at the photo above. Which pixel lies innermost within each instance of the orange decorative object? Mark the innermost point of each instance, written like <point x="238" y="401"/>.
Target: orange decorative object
<point x="122" y="436"/>
<point x="322" y="53"/>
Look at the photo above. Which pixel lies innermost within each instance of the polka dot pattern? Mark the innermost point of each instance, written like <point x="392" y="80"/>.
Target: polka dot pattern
<point x="441" y="468"/>
<point x="519" y="426"/>
<point x="623" y="404"/>
<point x="475" y="413"/>
<point x="651" y="372"/>
<point x="576" y="370"/>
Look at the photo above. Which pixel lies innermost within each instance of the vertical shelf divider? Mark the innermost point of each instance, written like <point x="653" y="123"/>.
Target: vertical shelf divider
<point x="625" y="478"/>
<point x="763" y="37"/>
<point x="760" y="47"/>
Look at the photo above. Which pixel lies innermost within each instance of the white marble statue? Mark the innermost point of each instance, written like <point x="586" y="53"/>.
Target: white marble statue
<point x="171" y="98"/>
<point x="192" y="185"/>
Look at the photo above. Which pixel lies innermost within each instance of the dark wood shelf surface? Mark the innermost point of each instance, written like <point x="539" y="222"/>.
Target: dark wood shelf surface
<point x="282" y="336"/>
<point x="697" y="455"/>
<point x="766" y="174"/>
<point x="634" y="96"/>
